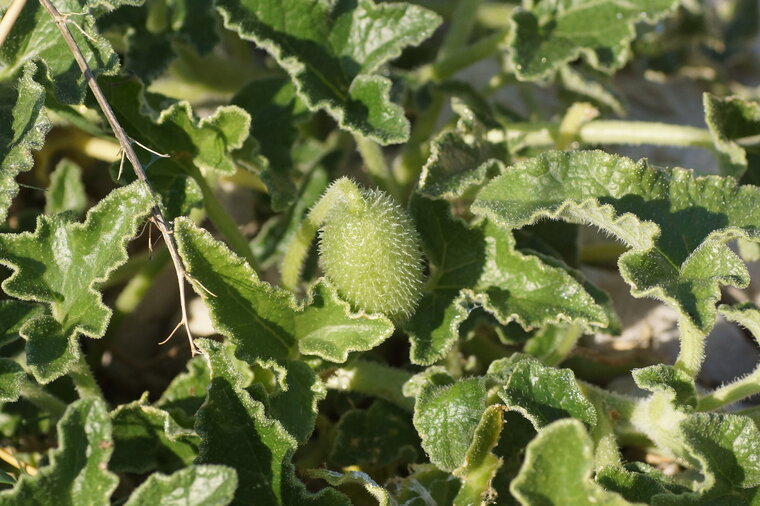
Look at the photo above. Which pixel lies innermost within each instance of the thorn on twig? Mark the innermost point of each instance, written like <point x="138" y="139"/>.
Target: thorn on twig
<point x="149" y="150"/>
<point x="121" y="165"/>
<point x="201" y="285"/>
<point x="182" y="323"/>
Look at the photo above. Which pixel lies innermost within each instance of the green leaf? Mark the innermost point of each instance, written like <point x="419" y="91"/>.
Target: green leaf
<point x="551" y="34"/>
<point x="480" y="464"/>
<point x="354" y="477"/>
<point x="461" y="158"/>
<point x="378" y="436"/>
<point x="23" y="126"/>
<point x="446" y="418"/>
<point x="544" y="394"/>
<point x="77" y="472"/>
<point x="329" y="329"/>
<point x="61" y="264"/>
<point x="557" y="469"/>
<point x="636" y="486"/>
<point x="426" y="486"/>
<point x="727" y="447"/>
<point x="13" y="315"/>
<point x="12" y="376"/>
<point x="35" y="36"/>
<point x="151" y="30"/>
<point x="275" y="111"/>
<point x="730" y="119"/>
<point x="66" y="190"/>
<point x="479" y="265"/>
<point x="664" y="378"/>
<point x="257" y="317"/>
<point x="333" y="51"/>
<point x="676" y="224"/>
<point x="147" y="438"/>
<point x="185" y="394"/>
<point x="193" y="486"/>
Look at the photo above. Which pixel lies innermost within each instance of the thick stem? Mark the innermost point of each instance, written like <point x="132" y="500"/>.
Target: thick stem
<point x="692" y="350"/>
<point x="374" y="160"/>
<point x="373" y="379"/>
<point x="733" y="392"/>
<point x="485" y="47"/>
<point x="462" y="21"/>
<point x="83" y="379"/>
<point x="129" y="152"/>
<point x="414" y="153"/>
<point x="342" y="191"/>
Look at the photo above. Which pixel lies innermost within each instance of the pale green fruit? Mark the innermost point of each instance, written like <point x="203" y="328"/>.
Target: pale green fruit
<point x="371" y="252"/>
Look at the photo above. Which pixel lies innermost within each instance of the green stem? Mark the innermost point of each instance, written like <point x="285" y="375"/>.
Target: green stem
<point x="43" y="399"/>
<point x="83" y="379"/>
<point x="374" y="160"/>
<point x="414" y="152"/>
<point x="372" y="378"/>
<point x="692" y="350"/>
<point x="462" y="21"/>
<point x="483" y="48"/>
<point x="728" y="394"/>
<point x="342" y="190"/>
<point x="222" y="220"/>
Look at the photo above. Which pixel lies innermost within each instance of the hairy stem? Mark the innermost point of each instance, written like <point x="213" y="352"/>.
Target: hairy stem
<point x="374" y="160"/>
<point x="363" y="377"/>
<point x="462" y="21"/>
<point x="342" y="190"/>
<point x="43" y="399"/>
<point x="83" y="379"/>
<point x="692" y="350"/>
<point x="733" y="392"/>
<point x="129" y="152"/>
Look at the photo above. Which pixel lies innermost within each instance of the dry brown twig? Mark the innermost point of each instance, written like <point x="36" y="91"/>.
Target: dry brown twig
<point x="9" y="19"/>
<point x="126" y="146"/>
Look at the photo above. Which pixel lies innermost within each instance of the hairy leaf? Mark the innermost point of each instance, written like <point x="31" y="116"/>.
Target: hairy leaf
<point x="544" y="394"/>
<point x="664" y="378"/>
<point x="23" y="126"/>
<point x="61" y="264"/>
<point x="201" y="485"/>
<point x="147" y="438"/>
<point x="35" y="36"/>
<point x="378" y="436"/>
<point x="329" y="329"/>
<point x="66" y="190"/>
<point x="551" y="34"/>
<point x="186" y="392"/>
<point x="11" y="378"/>
<point x="427" y="485"/>
<point x="354" y="477"/>
<point x="446" y="418"/>
<point x="333" y="51"/>
<point x="730" y="119"/>
<point x="13" y="315"/>
<point x="77" y="472"/>
<point x="479" y="265"/>
<point x="480" y="464"/>
<point x="557" y="469"/>
<point x="676" y="224"/>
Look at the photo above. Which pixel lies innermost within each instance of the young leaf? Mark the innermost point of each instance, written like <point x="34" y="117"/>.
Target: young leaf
<point x="184" y="395"/>
<point x="77" y="472"/>
<point x="11" y="378"/>
<point x="676" y="224"/>
<point x="730" y="119"/>
<point x="446" y="418"/>
<point x="35" y="36"/>
<point x="636" y="486"/>
<point x="333" y="51"/>
<point x="378" y="436"/>
<point x="557" y="469"/>
<point x="551" y="34"/>
<point x="480" y="465"/>
<point x="427" y="485"/>
<point x="66" y="190"/>
<point x="23" y="126"/>
<point x="147" y="438"/>
<point x="461" y="158"/>
<point x="192" y="486"/>
<point x="664" y="378"/>
<point x="329" y="329"/>
<point x="61" y="264"/>
<point x="296" y="406"/>
<point x="479" y="265"/>
<point x="544" y="394"/>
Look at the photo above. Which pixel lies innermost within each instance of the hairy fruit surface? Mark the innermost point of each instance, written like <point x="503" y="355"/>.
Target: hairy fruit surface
<point x="371" y="252"/>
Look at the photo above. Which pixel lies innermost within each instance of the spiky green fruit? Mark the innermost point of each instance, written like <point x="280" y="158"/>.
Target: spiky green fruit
<point x="371" y="252"/>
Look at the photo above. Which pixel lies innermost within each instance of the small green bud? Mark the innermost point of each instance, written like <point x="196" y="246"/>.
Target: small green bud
<point x="371" y="252"/>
